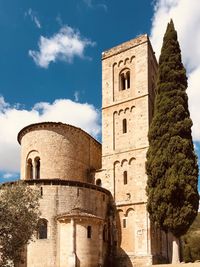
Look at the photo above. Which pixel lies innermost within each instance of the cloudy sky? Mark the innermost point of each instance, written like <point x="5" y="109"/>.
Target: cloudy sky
<point x="50" y="66"/>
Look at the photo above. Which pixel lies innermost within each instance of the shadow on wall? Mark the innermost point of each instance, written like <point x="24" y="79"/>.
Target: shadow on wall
<point x="78" y="263"/>
<point x="121" y="259"/>
<point x="161" y="245"/>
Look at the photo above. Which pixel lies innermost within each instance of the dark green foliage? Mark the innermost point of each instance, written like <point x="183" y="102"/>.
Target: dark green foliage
<point x="171" y="162"/>
<point x="190" y="248"/>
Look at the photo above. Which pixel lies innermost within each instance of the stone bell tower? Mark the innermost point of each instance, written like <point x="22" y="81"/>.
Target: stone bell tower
<point x="129" y="72"/>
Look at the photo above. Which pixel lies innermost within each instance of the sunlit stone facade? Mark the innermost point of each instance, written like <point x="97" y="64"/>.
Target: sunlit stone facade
<point x="93" y="205"/>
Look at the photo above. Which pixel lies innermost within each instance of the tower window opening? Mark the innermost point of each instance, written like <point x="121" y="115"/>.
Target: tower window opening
<point x="124" y="222"/>
<point x="41" y="191"/>
<point x="125" y="177"/>
<point x="124" y="126"/>
<point x="128" y="79"/>
<point x="124" y="80"/>
<point x="78" y="192"/>
<point x="29" y="169"/>
<point x="98" y="182"/>
<point x="89" y="231"/>
<point x="42" y="229"/>
<point x="128" y="196"/>
<point x="37" y="168"/>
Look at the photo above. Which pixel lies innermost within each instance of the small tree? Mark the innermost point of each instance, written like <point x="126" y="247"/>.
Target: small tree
<point x="171" y="162"/>
<point x="19" y="215"/>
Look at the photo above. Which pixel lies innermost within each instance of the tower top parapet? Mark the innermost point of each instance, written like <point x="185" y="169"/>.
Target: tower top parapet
<point x="125" y="46"/>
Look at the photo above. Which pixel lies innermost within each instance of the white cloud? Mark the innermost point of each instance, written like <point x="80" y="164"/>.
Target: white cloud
<point x="64" y="45"/>
<point x="186" y="17"/>
<point x="10" y="175"/>
<point x="91" y="4"/>
<point x="36" y="20"/>
<point x="14" y="119"/>
<point x="194" y="98"/>
<point x="32" y="14"/>
<point x="76" y="96"/>
<point x="59" y="20"/>
<point x="88" y="2"/>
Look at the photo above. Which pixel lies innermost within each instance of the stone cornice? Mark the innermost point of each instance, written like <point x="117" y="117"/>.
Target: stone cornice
<point x="125" y="46"/>
<point x="77" y="213"/>
<point x="60" y="182"/>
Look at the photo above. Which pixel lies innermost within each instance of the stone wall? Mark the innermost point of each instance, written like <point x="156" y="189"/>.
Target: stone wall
<point x="128" y="80"/>
<point x="65" y="152"/>
<point x="70" y="163"/>
<point x="87" y="206"/>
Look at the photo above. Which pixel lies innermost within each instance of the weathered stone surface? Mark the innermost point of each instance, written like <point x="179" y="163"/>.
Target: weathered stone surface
<point x="66" y="152"/>
<point x="95" y="202"/>
<point x="124" y="153"/>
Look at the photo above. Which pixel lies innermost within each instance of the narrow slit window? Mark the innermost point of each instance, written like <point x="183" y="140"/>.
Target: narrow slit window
<point x="37" y="168"/>
<point x="124" y="222"/>
<point x="89" y="231"/>
<point x="42" y="229"/>
<point x="124" y="126"/>
<point x="123" y="81"/>
<point x="128" y="79"/>
<point x="125" y="177"/>
<point x="98" y="182"/>
<point x="29" y="169"/>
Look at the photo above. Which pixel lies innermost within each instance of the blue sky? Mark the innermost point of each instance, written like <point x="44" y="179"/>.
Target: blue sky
<point x="51" y="60"/>
<point x="104" y="24"/>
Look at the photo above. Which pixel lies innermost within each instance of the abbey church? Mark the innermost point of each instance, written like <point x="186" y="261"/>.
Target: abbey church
<point x="93" y="205"/>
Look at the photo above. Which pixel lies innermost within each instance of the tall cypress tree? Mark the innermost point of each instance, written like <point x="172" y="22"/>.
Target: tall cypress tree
<point x="171" y="161"/>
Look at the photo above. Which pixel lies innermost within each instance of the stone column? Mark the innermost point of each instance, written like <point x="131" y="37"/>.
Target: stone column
<point x="72" y="257"/>
<point x="126" y="83"/>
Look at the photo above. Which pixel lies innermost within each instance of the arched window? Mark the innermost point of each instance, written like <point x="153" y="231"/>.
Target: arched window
<point x="125" y="176"/>
<point x="41" y="191"/>
<point x="37" y="168"/>
<point x="89" y="231"/>
<point x="29" y="169"/>
<point x="124" y="126"/>
<point x="124" y="79"/>
<point x="128" y="79"/>
<point x="42" y="229"/>
<point x="124" y="222"/>
<point x="98" y="182"/>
